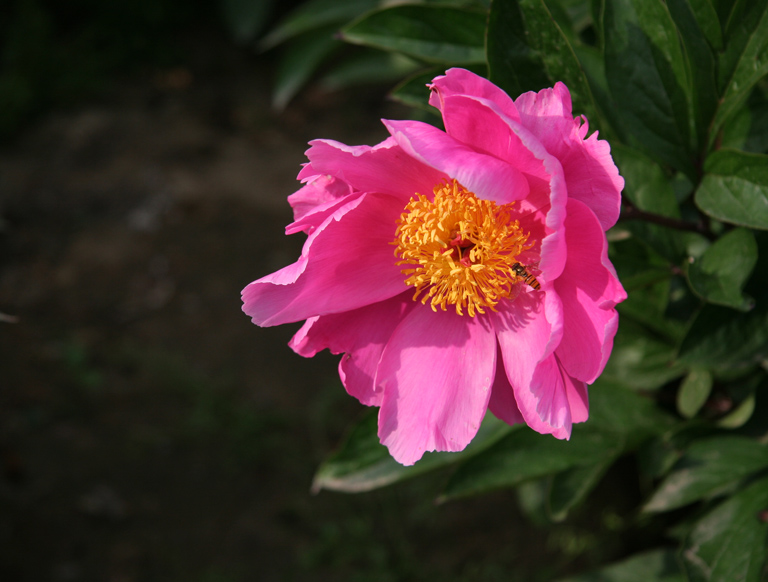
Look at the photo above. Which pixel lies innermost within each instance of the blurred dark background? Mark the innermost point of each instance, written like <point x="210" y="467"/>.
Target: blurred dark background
<point x="148" y="431"/>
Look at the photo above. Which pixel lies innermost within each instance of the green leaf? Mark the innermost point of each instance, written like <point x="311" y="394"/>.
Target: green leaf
<point x="524" y="455"/>
<point x="724" y="341"/>
<point x="364" y="464"/>
<point x="640" y="359"/>
<point x="314" y="14"/>
<point x="368" y="66"/>
<point x="512" y="64"/>
<point x="647" y="75"/>
<point x="572" y="486"/>
<point x="645" y="183"/>
<point x="708" y="468"/>
<point x="729" y="543"/>
<point x="693" y="392"/>
<point x="740" y="415"/>
<point x="413" y="90"/>
<point x="719" y="275"/>
<point x="700" y="62"/>
<point x="435" y="34"/>
<point x="546" y="36"/>
<point x="707" y="19"/>
<point x="735" y="188"/>
<point x="653" y="566"/>
<point x="748" y="129"/>
<point x="299" y="62"/>
<point x="744" y="62"/>
<point x="619" y="420"/>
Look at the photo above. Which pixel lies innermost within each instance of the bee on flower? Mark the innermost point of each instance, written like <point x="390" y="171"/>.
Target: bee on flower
<point x="418" y="259"/>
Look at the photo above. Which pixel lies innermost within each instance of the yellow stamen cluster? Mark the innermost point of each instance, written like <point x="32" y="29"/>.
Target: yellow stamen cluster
<point x="460" y="248"/>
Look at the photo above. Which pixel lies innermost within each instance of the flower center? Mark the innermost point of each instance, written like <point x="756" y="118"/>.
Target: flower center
<point x="460" y="250"/>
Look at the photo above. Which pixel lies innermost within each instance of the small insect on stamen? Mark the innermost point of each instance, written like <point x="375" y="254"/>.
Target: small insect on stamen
<point x="520" y="271"/>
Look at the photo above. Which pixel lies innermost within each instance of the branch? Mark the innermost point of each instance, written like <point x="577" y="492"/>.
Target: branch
<point x="630" y="212"/>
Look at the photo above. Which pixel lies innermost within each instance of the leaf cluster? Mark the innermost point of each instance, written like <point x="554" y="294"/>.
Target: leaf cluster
<point x="678" y="87"/>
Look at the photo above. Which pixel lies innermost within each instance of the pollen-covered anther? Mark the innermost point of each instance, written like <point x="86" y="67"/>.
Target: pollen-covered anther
<point x="459" y="249"/>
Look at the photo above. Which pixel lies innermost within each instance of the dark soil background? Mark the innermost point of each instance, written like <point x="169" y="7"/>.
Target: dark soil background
<point x="148" y="431"/>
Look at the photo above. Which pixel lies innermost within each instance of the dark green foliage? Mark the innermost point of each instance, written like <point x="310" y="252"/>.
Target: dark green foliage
<point x="679" y="89"/>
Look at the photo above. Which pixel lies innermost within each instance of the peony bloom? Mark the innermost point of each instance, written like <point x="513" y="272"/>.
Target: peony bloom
<point x="459" y="270"/>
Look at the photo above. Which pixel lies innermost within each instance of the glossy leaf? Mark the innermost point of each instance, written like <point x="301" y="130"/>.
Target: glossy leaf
<point x="547" y="37"/>
<point x="363" y="464"/>
<point x="647" y="76"/>
<point x="735" y="188"/>
<point x="653" y="566"/>
<point x="745" y="60"/>
<point x="709" y="466"/>
<point x="729" y="543"/>
<point x="693" y="392"/>
<point x="720" y="274"/>
<point x="700" y="62"/>
<point x="435" y="34"/>
<point x="513" y="64"/>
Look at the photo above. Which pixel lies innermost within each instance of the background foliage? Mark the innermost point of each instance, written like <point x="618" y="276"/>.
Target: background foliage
<point x="679" y="89"/>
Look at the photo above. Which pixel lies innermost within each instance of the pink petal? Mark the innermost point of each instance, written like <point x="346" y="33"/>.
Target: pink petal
<point x="346" y="263"/>
<point x="578" y="399"/>
<point x="544" y="402"/>
<point x="319" y="214"/>
<point x="502" y="403"/>
<point x="486" y="176"/>
<point x="590" y="173"/>
<point x="362" y="334"/>
<point x="589" y="291"/>
<point x="317" y="192"/>
<point x="384" y="168"/>
<point x="436" y="372"/>
<point x="463" y="82"/>
<point x="484" y="127"/>
<point x="528" y="330"/>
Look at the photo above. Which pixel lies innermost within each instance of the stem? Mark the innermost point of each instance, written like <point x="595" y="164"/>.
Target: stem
<point x="630" y="212"/>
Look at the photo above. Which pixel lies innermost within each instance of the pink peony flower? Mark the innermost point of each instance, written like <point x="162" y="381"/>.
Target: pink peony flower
<point x="459" y="270"/>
